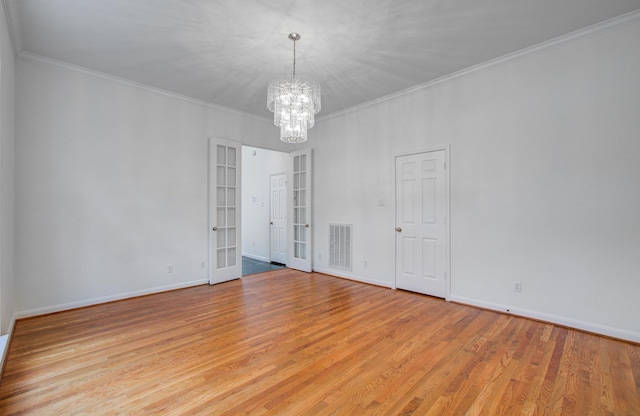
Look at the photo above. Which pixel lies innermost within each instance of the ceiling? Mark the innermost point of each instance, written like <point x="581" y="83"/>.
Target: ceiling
<point x="225" y="51"/>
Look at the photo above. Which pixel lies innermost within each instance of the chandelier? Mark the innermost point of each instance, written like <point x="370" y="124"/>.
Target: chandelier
<point x="294" y="101"/>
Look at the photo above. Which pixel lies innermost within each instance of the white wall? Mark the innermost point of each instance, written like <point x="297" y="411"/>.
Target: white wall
<point x="256" y="169"/>
<point x="111" y="186"/>
<point x="545" y="180"/>
<point x="7" y="87"/>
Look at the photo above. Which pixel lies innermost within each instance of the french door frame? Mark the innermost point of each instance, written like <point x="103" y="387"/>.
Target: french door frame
<point x="292" y="261"/>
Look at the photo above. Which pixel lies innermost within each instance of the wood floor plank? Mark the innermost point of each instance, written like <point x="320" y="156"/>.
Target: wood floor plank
<point x="287" y="342"/>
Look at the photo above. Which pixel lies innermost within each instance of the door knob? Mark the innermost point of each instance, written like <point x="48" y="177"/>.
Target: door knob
<point x="215" y="228"/>
<point x="307" y="225"/>
<point x="398" y="229"/>
<point x="270" y="222"/>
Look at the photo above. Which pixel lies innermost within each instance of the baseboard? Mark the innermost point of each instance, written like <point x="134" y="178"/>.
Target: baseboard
<point x="5" y="342"/>
<point x="334" y="272"/>
<point x="619" y="333"/>
<point x="105" y="299"/>
<point x="259" y="258"/>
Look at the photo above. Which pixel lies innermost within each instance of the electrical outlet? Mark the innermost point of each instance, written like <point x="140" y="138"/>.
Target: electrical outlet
<point x="170" y="268"/>
<point x="366" y="263"/>
<point x="203" y="265"/>
<point x="517" y="286"/>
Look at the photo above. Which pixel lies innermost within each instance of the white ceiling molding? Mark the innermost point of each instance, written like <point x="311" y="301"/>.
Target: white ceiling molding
<point x="41" y="60"/>
<point x="579" y="35"/>
<point x="12" y="11"/>
<point x="224" y="52"/>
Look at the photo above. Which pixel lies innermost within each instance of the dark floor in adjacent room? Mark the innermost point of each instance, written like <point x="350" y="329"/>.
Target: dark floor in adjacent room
<point x="251" y="266"/>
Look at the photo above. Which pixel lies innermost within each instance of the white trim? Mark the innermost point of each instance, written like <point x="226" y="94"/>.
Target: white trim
<point x="444" y="147"/>
<point x="4" y="344"/>
<point x="38" y="59"/>
<point x="350" y="276"/>
<point x="12" y="12"/>
<point x="553" y="319"/>
<point x="447" y="178"/>
<point x="578" y="35"/>
<point x="13" y="20"/>
<point x="105" y="299"/>
<point x="254" y="257"/>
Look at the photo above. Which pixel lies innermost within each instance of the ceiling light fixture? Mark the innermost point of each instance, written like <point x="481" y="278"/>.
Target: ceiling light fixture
<point x="294" y="101"/>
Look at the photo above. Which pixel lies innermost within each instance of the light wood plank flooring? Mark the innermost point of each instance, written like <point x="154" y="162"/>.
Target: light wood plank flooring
<point x="290" y="343"/>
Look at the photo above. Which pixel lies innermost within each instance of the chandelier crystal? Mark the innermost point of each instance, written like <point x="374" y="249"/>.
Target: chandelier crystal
<point x="294" y="101"/>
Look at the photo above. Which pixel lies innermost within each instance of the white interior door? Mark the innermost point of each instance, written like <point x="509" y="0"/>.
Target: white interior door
<point x="422" y="202"/>
<point x="225" y="254"/>
<point x="299" y="222"/>
<point x="278" y="217"/>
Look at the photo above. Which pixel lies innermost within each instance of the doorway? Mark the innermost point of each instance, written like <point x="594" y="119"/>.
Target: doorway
<point x="238" y="212"/>
<point x="259" y="167"/>
<point x="422" y="226"/>
<point x="278" y="217"/>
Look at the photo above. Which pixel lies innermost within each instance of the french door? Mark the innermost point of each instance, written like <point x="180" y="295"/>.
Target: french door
<point x="422" y="206"/>
<point x="299" y="224"/>
<point x="225" y="253"/>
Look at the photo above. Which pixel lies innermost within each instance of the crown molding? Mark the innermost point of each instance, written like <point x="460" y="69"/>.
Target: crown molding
<point x="576" y="36"/>
<point x="12" y="12"/>
<point x="42" y="60"/>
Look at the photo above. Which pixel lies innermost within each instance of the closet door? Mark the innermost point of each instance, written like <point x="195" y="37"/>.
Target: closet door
<point x="421" y="223"/>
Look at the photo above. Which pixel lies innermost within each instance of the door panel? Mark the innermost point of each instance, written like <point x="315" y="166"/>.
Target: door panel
<point x="224" y="211"/>
<point x="422" y="233"/>
<point x="278" y="220"/>
<point x="429" y="249"/>
<point x="300" y="241"/>
<point x="408" y="256"/>
<point x="429" y="187"/>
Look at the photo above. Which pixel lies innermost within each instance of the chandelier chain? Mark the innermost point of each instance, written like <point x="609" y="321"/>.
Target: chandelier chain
<point x="294" y="58"/>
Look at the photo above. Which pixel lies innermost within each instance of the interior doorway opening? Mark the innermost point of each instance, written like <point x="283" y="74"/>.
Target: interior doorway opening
<point x="260" y="234"/>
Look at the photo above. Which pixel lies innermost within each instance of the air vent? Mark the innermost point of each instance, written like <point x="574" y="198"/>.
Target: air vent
<point x="340" y="246"/>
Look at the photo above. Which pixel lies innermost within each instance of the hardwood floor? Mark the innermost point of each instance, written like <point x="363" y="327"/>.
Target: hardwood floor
<point x="290" y="343"/>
